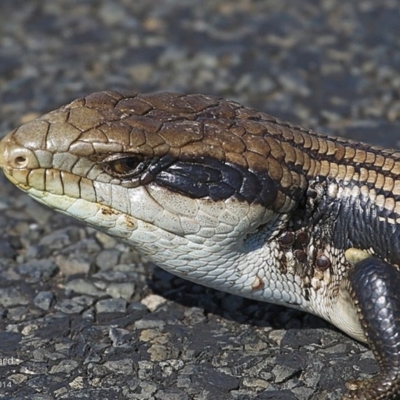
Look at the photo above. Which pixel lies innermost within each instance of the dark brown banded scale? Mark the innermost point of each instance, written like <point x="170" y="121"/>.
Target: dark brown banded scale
<point x="224" y="186"/>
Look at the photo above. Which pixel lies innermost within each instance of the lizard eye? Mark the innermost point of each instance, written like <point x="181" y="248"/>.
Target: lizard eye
<point x="125" y="166"/>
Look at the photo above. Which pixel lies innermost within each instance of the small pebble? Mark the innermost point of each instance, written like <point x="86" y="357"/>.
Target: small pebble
<point x="38" y="270"/>
<point x="111" y="306"/>
<point x="121" y="290"/>
<point x="107" y="259"/>
<point x="74" y="265"/>
<point x="83" y="286"/>
<point x="44" y="300"/>
<point x="153" y="301"/>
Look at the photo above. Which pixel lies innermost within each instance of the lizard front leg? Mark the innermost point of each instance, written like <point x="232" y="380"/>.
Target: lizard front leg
<point x="374" y="287"/>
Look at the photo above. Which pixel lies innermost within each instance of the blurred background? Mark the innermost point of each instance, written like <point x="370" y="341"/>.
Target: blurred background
<point x="323" y="63"/>
<point x="330" y="65"/>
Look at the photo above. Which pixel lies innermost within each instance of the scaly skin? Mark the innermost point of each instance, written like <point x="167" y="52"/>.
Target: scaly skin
<point x="233" y="199"/>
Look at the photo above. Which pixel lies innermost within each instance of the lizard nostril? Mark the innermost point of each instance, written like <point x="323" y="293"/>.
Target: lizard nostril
<point x="20" y="160"/>
<point x="16" y="157"/>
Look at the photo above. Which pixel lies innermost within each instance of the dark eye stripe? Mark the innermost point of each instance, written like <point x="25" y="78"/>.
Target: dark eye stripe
<point x="209" y="177"/>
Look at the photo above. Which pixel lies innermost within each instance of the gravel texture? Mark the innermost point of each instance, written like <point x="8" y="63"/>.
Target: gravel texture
<point x="82" y="316"/>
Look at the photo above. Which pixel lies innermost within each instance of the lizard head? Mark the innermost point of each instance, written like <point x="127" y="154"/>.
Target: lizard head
<point x="182" y="178"/>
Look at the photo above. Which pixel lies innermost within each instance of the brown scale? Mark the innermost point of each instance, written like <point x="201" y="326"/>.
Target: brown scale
<point x="296" y="243"/>
<point x="306" y="264"/>
<point x="322" y="262"/>
<point x="287" y="238"/>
